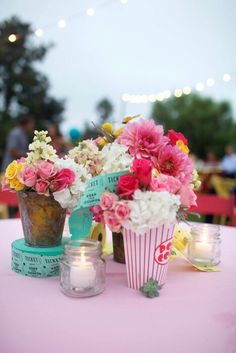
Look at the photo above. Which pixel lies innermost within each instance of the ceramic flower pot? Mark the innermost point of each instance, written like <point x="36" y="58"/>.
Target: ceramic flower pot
<point x="118" y="247"/>
<point x="147" y="255"/>
<point x="42" y="219"/>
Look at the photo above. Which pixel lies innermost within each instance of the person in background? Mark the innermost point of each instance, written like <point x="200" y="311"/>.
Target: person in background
<point x="18" y="140"/>
<point x="58" y="142"/>
<point x="212" y="163"/>
<point x="228" y="163"/>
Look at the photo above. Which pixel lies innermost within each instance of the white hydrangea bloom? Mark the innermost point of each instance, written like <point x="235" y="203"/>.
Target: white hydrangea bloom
<point x="115" y="158"/>
<point x="152" y="209"/>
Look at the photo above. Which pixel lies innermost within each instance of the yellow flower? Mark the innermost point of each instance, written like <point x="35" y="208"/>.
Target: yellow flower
<point x="129" y="118"/>
<point x="19" y="167"/>
<point x="117" y="132"/>
<point x="181" y="238"/>
<point x="12" y="170"/>
<point x="102" y="142"/>
<point x="182" y="146"/>
<point x="108" y="127"/>
<point x="155" y="172"/>
<point x="16" y="184"/>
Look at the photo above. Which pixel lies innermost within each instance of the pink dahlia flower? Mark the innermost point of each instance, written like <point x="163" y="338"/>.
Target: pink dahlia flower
<point x="171" y="161"/>
<point x="165" y="183"/>
<point x="143" y="138"/>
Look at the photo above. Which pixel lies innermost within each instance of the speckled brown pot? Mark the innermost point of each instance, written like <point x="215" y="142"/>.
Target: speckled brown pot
<point x="42" y="219"/>
<point x="118" y="248"/>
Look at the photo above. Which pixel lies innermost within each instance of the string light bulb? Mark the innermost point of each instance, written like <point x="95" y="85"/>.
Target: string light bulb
<point x="136" y="99"/>
<point x="125" y="97"/>
<point x="226" y="77"/>
<point x="167" y="94"/>
<point x="90" y="11"/>
<point x="61" y="23"/>
<point x="160" y="97"/>
<point x="187" y="90"/>
<point x="38" y="32"/>
<point x="12" y="38"/>
<point x="152" y="98"/>
<point x="210" y="82"/>
<point x="178" y="93"/>
<point x="199" y="86"/>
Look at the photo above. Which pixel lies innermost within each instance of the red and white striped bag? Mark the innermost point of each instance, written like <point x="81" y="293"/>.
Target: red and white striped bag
<point x="147" y="255"/>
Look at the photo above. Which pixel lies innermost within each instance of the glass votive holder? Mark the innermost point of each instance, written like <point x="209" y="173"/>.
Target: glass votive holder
<point x="82" y="268"/>
<point x="204" y="247"/>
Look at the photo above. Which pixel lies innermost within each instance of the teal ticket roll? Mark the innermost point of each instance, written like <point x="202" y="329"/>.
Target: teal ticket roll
<point x="80" y="221"/>
<point x="36" y="262"/>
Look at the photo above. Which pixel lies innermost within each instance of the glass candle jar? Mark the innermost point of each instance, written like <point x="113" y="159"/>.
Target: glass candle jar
<point x="204" y="246"/>
<point x="82" y="269"/>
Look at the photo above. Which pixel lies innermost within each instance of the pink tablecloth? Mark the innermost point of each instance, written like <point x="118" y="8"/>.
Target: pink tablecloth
<point x="196" y="312"/>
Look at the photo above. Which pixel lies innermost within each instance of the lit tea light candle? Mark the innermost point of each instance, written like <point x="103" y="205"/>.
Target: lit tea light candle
<point x="202" y="249"/>
<point x="82" y="273"/>
<point x="82" y="268"/>
<point x="204" y="244"/>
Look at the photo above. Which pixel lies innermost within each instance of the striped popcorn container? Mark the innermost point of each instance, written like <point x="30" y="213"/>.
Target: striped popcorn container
<point x="147" y="255"/>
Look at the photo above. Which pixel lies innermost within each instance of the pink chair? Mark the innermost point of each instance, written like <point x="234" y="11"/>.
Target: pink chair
<point x="9" y="199"/>
<point x="216" y="205"/>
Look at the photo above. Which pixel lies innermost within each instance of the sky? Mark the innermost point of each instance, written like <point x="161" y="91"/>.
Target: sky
<point x="142" y="47"/>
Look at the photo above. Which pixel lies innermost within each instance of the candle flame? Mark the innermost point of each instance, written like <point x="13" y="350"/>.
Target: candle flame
<point x="83" y="257"/>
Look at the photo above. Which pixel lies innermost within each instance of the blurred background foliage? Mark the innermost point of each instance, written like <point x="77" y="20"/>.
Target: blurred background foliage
<point x="23" y="88"/>
<point x="208" y="125"/>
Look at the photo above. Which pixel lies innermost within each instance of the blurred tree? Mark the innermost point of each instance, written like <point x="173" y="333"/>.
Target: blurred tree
<point x="23" y="89"/>
<point x="207" y="124"/>
<point x="104" y="109"/>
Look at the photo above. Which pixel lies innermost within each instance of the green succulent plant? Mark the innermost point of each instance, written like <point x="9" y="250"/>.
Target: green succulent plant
<point x="151" y="288"/>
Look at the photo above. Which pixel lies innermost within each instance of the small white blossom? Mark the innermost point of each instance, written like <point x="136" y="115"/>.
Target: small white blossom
<point x="196" y="182"/>
<point x="40" y="148"/>
<point x="88" y="155"/>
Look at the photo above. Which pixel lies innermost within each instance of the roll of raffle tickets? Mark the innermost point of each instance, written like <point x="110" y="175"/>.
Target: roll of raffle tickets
<point x="36" y="262"/>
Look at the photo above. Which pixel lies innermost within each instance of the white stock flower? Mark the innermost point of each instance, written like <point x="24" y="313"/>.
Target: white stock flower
<point x="40" y="148"/>
<point x="115" y="158"/>
<point x="88" y="155"/>
<point x="152" y="209"/>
